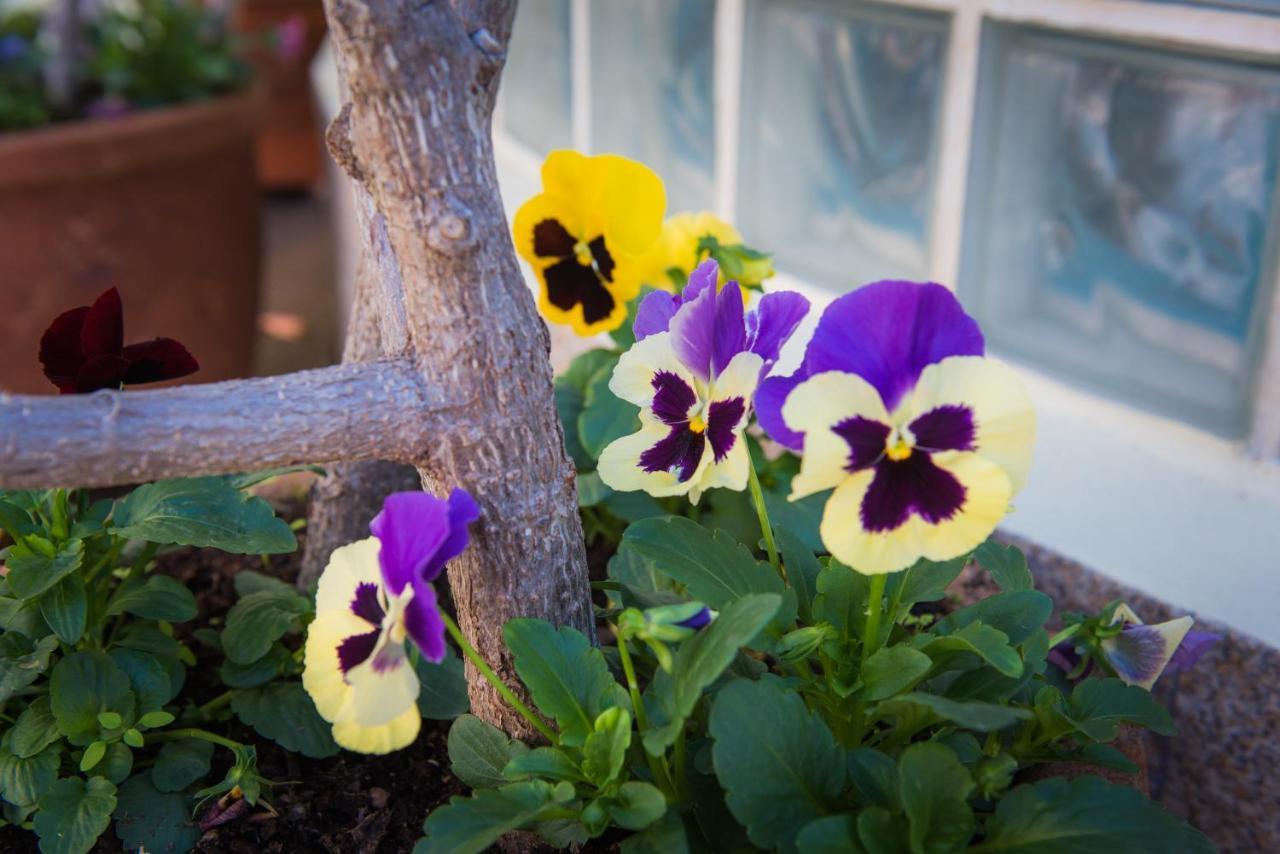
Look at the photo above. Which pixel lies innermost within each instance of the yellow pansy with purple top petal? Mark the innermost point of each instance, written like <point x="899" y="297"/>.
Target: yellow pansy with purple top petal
<point x="923" y="439"/>
<point x="584" y="236"/>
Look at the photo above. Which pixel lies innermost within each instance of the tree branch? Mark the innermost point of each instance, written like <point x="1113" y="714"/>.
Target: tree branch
<point x="358" y="411"/>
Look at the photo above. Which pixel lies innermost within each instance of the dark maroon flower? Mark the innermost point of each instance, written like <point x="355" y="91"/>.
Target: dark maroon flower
<point x="83" y="350"/>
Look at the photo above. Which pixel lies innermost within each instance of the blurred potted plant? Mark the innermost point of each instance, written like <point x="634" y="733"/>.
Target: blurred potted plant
<point x="284" y="36"/>
<point x="126" y="160"/>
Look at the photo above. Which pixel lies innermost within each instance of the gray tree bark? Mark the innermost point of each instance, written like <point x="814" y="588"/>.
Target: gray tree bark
<point x="467" y="399"/>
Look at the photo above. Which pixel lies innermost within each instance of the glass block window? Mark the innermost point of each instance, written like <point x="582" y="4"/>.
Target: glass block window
<point x="840" y="113"/>
<point x="536" y="91"/>
<point x="652" y="84"/>
<point x="1271" y="6"/>
<point x="1120" y="217"/>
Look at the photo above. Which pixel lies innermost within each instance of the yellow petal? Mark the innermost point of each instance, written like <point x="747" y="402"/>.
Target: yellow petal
<point x="383" y="738"/>
<point x="1005" y="419"/>
<point x="619" y="464"/>
<point x="632" y="378"/>
<point x="677" y="246"/>
<point x="322" y="674"/>
<point x="632" y="204"/>
<point x="349" y="566"/>
<point x="738" y="379"/>
<point x="814" y="407"/>
<point x="540" y="208"/>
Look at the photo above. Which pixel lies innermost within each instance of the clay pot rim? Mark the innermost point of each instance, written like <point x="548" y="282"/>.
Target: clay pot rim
<point x="93" y="149"/>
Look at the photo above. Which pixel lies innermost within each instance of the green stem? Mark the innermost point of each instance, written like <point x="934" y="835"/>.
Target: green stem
<point x="1065" y="634"/>
<point x="217" y="703"/>
<point x="492" y="678"/>
<point x="657" y="766"/>
<point x="766" y="530"/>
<point x="193" y="732"/>
<point x="875" y="607"/>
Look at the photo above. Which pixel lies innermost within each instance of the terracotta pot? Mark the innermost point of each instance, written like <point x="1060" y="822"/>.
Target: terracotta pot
<point x="162" y="203"/>
<point x="288" y="143"/>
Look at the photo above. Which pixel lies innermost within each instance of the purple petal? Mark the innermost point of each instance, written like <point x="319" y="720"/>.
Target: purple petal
<point x="60" y="351"/>
<point x="722" y="419"/>
<point x="697" y="621"/>
<point x="356" y="649"/>
<point x="1193" y="647"/>
<point x="730" y="334"/>
<point x="423" y="622"/>
<point x="672" y="398"/>
<point x="160" y="359"/>
<point x="655" y="313"/>
<point x="463" y="510"/>
<point x="103" y="330"/>
<point x="890" y="331"/>
<point x="693" y="329"/>
<point x="865" y="438"/>
<point x="411" y="527"/>
<point x="1138" y="653"/>
<point x="703" y="278"/>
<point x="916" y="486"/>
<point x="773" y="321"/>
<point x="770" y="395"/>
<point x="945" y="428"/>
<point x="679" y="452"/>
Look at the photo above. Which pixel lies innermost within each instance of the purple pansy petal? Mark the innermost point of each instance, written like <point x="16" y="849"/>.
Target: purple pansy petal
<point x="424" y="624"/>
<point x="365" y="604"/>
<point x="770" y="395"/>
<point x="356" y="649"/>
<point x="890" y="331"/>
<point x="411" y="527"/>
<point x="103" y="331"/>
<point x="865" y="438"/>
<point x="655" y="313"/>
<point x="463" y="510"/>
<point x="703" y="278"/>
<point x="156" y="360"/>
<point x="693" y="330"/>
<point x="945" y="428"/>
<point x="1193" y="647"/>
<point x="773" y="321"/>
<point x="914" y="485"/>
<point x="730" y="333"/>
<point x="672" y="398"/>
<point x="104" y="371"/>
<point x="1138" y="653"/>
<point x="722" y="422"/>
<point x="60" y="349"/>
<point x="678" y="452"/>
<point x="697" y="621"/>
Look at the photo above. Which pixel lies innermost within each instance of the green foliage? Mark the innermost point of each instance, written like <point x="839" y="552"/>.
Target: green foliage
<point x="152" y="819"/>
<point x="284" y="713"/>
<point x="73" y="814"/>
<point x="207" y="512"/>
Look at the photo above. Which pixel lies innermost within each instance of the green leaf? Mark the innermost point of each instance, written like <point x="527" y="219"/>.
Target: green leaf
<point x="478" y="752"/>
<point x="133" y="738"/>
<point x="109" y="720"/>
<point x="924" y="581"/>
<point x="160" y="598"/>
<point x="776" y="760"/>
<point x="117" y="764"/>
<point x="248" y="582"/>
<point x="934" y="788"/>
<point x="664" y="836"/>
<point x="1018" y="614"/>
<point x="699" y="662"/>
<point x="23" y="779"/>
<point x="716" y="569"/>
<point x="15" y="521"/>
<point x="208" y="512"/>
<point x="633" y="506"/>
<point x="92" y="520"/>
<point x="893" y="669"/>
<point x="835" y="834"/>
<point x="586" y="365"/>
<point x="569" y="401"/>
<point x="591" y="489"/>
<point x="32" y="573"/>
<point x="259" y="620"/>
<point x="989" y="644"/>
<point x="549" y="763"/>
<point x="181" y="763"/>
<point x="148" y="678"/>
<point x="566" y="676"/>
<point x="875" y="778"/>
<point x="443" y="695"/>
<point x="803" y="570"/>
<point x="73" y="814"/>
<point x="605" y="417"/>
<point x="637" y="805"/>
<point x="93" y="755"/>
<point x="1099" y="706"/>
<point x="285" y="713"/>
<point x="983" y="717"/>
<point x="605" y="749"/>
<point x="258" y="672"/>
<point x="1104" y="756"/>
<point x="800" y="518"/>
<point x="471" y="825"/>
<point x="1059" y="816"/>
<point x="22" y="662"/>
<point x="34" y="730"/>
<point x="842" y="599"/>
<point x="84" y="684"/>
<point x="1007" y="565"/>
<point x="66" y="609"/>
<point x="248" y="479"/>
<point x="151" y="820"/>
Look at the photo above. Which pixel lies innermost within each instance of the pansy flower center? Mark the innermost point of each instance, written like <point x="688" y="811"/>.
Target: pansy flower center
<point x="898" y="446"/>
<point x="580" y="272"/>
<point x="697" y="425"/>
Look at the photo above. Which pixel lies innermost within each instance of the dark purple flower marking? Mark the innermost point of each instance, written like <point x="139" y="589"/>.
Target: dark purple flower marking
<point x="697" y="621"/>
<point x="722" y="419"/>
<point x="356" y="649"/>
<point x="365" y="604"/>
<point x="866" y="438"/>
<point x="569" y="281"/>
<point x="672" y="398"/>
<point x="912" y="485"/>
<point x="886" y="333"/>
<point x="678" y="452"/>
<point x="945" y="428"/>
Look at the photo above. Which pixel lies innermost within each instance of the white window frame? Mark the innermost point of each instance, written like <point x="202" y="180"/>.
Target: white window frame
<point x="1168" y="508"/>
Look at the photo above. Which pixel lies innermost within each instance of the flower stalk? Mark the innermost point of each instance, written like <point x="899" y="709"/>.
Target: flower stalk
<point x="762" y="513"/>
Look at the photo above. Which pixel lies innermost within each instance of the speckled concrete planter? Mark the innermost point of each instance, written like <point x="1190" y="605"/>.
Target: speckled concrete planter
<point x="1220" y="771"/>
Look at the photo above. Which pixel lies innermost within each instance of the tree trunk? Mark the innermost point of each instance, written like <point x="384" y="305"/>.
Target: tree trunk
<point x="416" y="136"/>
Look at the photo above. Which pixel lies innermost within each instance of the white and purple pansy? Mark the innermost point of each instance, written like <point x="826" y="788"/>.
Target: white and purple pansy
<point x="693" y="371"/>
<point x="374" y="597"/>
<point x="1141" y="653"/>
<point x="923" y="439"/>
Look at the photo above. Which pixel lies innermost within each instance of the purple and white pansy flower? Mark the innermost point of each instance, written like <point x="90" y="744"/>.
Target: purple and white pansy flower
<point x="923" y="439"/>
<point x="1141" y="653"/>
<point x="374" y="598"/>
<point x="693" y="372"/>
